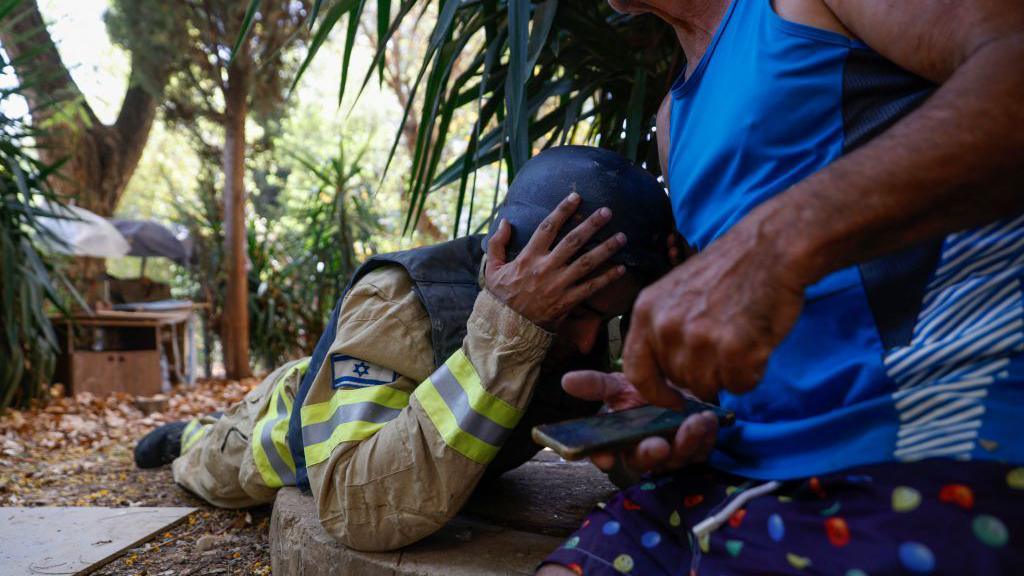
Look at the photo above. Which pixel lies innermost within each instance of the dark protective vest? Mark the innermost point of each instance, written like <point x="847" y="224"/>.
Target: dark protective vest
<point x="444" y="277"/>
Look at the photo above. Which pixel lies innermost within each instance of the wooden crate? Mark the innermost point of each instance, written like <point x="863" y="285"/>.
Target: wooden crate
<point x="114" y="351"/>
<point x="131" y="371"/>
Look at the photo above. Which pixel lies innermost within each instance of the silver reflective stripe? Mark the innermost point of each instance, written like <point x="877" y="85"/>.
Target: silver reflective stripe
<point x="468" y="419"/>
<point x="358" y="412"/>
<point x="286" y="474"/>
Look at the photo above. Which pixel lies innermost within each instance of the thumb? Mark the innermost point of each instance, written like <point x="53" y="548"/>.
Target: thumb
<point x="613" y="389"/>
<point x="591" y="385"/>
<point x="496" y="246"/>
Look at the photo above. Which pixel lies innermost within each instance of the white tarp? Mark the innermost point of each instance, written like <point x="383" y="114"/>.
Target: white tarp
<point x="83" y="233"/>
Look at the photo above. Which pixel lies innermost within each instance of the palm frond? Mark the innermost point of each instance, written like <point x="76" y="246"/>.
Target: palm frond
<point x="529" y="74"/>
<point x="28" y="344"/>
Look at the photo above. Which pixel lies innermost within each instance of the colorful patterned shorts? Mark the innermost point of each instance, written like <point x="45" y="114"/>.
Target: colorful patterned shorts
<point x="929" y="517"/>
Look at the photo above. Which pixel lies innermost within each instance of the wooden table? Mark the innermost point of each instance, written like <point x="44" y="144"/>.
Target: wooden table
<point x="125" y="351"/>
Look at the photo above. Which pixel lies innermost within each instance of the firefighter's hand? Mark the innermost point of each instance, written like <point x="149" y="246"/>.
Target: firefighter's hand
<point x="711" y="323"/>
<point x="692" y="442"/>
<point x="543" y="283"/>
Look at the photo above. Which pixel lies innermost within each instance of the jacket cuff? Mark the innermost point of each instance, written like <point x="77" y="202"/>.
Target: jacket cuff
<point x="494" y="320"/>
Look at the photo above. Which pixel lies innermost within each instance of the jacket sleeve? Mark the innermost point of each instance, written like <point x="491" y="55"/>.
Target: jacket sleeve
<point x="391" y="463"/>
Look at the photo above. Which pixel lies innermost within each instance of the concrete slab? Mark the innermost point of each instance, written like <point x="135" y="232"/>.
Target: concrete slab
<point x="67" y="540"/>
<point x="299" y="545"/>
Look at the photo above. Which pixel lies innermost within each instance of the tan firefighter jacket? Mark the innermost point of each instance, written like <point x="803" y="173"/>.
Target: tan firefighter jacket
<point x="393" y="447"/>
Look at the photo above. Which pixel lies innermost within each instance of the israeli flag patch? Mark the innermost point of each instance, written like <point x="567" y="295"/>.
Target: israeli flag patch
<point x="351" y="372"/>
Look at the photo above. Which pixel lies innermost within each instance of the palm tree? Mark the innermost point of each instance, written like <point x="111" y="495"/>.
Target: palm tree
<point x="533" y="74"/>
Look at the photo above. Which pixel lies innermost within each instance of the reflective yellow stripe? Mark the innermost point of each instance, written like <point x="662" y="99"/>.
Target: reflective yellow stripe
<point x="348" y="432"/>
<point x="350" y="415"/>
<point x="471" y="420"/>
<point x="193" y="432"/>
<point x="481" y="400"/>
<point x="443" y="419"/>
<point x="190" y="429"/>
<point x="382" y="394"/>
<point x="279" y="435"/>
<point x="260" y="453"/>
<point x="269" y="439"/>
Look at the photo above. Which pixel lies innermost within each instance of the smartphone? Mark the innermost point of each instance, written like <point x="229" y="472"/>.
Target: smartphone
<point x="575" y="439"/>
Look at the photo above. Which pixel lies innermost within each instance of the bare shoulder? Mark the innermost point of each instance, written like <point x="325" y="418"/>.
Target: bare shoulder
<point x="931" y="38"/>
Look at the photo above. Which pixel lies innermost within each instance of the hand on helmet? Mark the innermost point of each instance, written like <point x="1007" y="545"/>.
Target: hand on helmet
<point x="544" y="283"/>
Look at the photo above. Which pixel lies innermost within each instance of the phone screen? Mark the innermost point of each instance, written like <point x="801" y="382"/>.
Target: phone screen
<point x="575" y="438"/>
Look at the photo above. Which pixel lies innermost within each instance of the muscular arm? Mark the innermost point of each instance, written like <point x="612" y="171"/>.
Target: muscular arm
<point x="955" y="162"/>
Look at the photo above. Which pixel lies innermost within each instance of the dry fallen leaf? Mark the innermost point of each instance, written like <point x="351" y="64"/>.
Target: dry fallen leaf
<point x="77" y="451"/>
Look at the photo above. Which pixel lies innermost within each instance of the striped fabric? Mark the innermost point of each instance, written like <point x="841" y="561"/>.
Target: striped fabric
<point x="971" y="322"/>
<point x="350" y="415"/>
<point x="270" y="446"/>
<point x="193" y="432"/>
<point x="469" y="419"/>
<point x="472" y="421"/>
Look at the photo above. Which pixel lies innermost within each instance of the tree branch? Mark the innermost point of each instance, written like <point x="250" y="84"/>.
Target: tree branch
<point x="38" y="64"/>
<point x="134" y="121"/>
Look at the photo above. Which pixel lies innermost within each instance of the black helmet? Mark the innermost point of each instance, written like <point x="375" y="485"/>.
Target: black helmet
<point x="640" y="207"/>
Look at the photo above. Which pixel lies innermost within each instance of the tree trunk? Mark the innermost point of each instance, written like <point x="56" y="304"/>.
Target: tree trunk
<point x="236" y="302"/>
<point x="98" y="159"/>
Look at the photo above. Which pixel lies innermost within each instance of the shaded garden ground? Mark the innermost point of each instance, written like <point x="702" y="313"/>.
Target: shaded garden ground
<point x="78" y="452"/>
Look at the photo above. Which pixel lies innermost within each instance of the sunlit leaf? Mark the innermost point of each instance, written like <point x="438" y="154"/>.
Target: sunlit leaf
<point x="320" y="36"/>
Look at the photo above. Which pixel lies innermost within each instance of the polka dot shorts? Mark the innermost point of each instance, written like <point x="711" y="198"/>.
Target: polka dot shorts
<point x="929" y="517"/>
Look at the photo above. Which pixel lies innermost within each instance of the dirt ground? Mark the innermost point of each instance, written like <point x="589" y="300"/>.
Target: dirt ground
<point x="78" y="452"/>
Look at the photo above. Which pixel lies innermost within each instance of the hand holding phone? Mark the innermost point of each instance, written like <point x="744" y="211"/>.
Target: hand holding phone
<point x="575" y="439"/>
<point x="691" y="442"/>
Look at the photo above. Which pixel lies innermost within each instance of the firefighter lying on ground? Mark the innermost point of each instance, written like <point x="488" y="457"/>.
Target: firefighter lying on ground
<point x="423" y="382"/>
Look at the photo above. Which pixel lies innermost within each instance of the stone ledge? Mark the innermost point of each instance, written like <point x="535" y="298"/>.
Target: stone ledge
<point x="299" y="545"/>
<point x="547" y="495"/>
<point x="508" y="527"/>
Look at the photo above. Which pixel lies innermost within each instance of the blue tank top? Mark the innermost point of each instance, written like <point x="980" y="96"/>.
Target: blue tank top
<point x="910" y="356"/>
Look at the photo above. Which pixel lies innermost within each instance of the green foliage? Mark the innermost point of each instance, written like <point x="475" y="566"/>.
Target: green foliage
<point x="204" y="40"/>
<point x="28" y="345"/>
<point x="301" y="251"/>
<point x="205" y="277"/>
<point x="537" y="74"/>
<point x="298" y="272"/>
<point x="152" y="34"/>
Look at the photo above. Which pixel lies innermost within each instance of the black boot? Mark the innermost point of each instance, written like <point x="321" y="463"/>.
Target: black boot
<point x="161" y="446"/>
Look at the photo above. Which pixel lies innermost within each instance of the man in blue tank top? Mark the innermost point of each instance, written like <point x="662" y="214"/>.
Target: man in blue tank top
<point x="849" y="173"/>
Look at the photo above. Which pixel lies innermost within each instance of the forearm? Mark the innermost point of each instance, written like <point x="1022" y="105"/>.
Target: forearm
<point x="956" y="162"/>
<point x="415" y="473"/>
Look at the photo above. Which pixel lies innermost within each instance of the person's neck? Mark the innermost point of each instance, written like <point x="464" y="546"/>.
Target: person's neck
<point x="695" y="23"/>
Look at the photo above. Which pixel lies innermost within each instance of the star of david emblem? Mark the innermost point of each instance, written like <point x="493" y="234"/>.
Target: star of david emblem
<point x="361" y="369"/>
